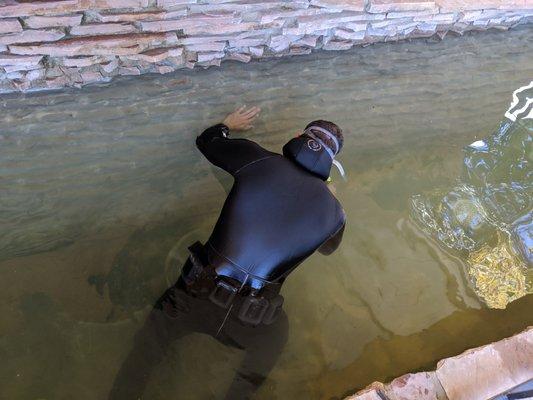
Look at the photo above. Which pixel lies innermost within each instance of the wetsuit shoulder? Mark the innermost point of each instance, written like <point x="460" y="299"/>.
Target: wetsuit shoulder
<point x="232" y="155"/>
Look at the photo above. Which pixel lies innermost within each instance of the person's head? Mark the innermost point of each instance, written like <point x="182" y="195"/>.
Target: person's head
<point x="320" y="129"/>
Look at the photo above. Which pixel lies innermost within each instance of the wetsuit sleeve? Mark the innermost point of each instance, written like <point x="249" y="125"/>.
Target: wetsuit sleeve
<point x="229" y="154"/>
<point x="330" y="245"/>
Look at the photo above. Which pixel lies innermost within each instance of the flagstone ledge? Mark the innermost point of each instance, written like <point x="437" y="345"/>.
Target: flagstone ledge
<point x="85" y="41"/>
<point x="481" y="373"/>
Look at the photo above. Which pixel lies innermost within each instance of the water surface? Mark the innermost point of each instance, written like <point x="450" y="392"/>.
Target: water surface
<point x="101" y="188"/>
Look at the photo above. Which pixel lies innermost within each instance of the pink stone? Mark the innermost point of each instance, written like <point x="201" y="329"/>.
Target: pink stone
<point x="73" y="74"/>
<point x="102" y="29"/>
<point x="248" y="6"/>
<point x="313" y="25"/>
<point x="446" y="18"/>
<point x="461" y="5"/>
<point x="58" y="82"/>
<point x="298" y="50"/>
<point x="98" y="45"/>
<point x="20" y="67"/>
<point x="307" y="40"/>
<point x="175" y="52"/>
<point x="14" y="75"/>
<point x="272" y="16"/>
<point x="15" y="9"/>
<point x="109" y="67"/>
<point x="215" y="62"/>
<point x="91" y="76"/>
<point x="22" y="84"/>
<point x="427" y="28"/>
<point x="257" y="51"/>
<point x="356" y="26"/>
<point x="219" y="29"/>
<point x="163" y="69"/>
<point x="31" y="35"/>
<point x="420" y="386"/>
<point x="9" y="26"/>
<point x="204" y="39"/>
<point x="279" y="43"/>
<point x="35" y="74"/>
<point x="239" y="57"/>
<point x="206" y="57"/>
<point x="484" y="372"/>
<point x="174" y="3"/>
<point x="83" y="61"/>
<point x="140" y="16"/>
<point x="215" y="46"/>
<point x="380" y="6"/>
<point x="354" y="5"/>
<point x="215" y="25"/>
<point x="413" y="14"/>
<point x="349" y="35"/>
<point x="151" y="56"/>
<point x="248" y="42"/>
<point x="129" y="71"/>
<point x="37" y="22"/>
<point x="338" y="45"/>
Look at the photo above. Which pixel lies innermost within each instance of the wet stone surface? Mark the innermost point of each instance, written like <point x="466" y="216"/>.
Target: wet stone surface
<point x="102" y="189"/>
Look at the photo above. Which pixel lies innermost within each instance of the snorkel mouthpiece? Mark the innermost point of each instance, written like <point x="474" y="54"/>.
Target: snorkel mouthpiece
<point x="339" y="167"/>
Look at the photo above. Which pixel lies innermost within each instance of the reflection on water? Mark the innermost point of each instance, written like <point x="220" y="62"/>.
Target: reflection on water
<point x="102" y="189"/>
<point x="487" y="217"/>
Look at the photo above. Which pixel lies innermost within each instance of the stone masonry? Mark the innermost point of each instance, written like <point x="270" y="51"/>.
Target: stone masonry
<point x="60" y="43"/>
<point x="477" y="374"/>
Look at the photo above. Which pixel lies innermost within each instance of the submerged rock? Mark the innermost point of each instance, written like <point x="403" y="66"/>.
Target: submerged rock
<point x="487" y="217"/>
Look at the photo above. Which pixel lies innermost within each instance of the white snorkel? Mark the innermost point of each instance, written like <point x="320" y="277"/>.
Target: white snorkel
<point x="332" y="154"/>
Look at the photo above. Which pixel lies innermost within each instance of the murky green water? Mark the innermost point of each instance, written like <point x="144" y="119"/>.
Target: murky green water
<point x="97" y="187"/>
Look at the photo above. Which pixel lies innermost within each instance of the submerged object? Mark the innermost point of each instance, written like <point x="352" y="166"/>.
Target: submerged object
<point x="456" y="219"/>
<point x="497" y="274"/>
<point x="487" y="217"/>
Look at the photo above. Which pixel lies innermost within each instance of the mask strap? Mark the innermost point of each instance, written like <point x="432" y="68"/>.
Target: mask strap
<point x="313" y="136"/>
<point x="328" y="134"/>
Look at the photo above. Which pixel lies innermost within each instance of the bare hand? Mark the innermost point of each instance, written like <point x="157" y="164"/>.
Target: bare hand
<point x="242" y="118"/>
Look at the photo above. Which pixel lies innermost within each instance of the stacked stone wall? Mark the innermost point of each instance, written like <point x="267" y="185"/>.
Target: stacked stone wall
<point x="54" y="44"/>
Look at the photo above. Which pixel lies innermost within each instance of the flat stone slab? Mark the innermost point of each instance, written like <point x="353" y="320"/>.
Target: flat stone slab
<point x="420" y="386"/>
<point x="485" y="372"/>
<point x="477" y="374"/>
<point x="369" y="393"/>
<point x="377" y="6"/>
<point x="220" y="30"/>
<point x="460" y="5"/>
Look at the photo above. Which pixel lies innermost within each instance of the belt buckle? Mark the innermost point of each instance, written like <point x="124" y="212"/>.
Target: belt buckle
<point x="223" y="294"/>
<point x="253" y="310"/>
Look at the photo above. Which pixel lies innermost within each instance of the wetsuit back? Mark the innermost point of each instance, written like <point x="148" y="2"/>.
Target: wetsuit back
<point x="278" y="212"/>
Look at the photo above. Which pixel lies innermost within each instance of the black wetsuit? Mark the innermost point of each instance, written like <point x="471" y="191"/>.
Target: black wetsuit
<point x="279" y="211"/>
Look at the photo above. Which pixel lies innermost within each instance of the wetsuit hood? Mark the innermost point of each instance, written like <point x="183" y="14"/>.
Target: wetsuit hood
<point x="309" y="154"/>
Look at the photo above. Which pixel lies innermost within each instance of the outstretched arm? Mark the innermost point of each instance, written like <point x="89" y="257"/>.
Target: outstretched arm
<point x="231" y="154"/>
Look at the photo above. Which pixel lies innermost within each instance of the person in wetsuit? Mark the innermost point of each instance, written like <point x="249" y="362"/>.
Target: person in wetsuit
<point x="278" y="212"/>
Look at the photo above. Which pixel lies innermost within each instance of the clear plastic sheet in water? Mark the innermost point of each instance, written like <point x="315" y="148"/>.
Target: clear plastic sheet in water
<point x="487" y="218"/>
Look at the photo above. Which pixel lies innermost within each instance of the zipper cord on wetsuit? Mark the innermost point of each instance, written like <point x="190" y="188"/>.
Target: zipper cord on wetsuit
<point x="231" y="307"/>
